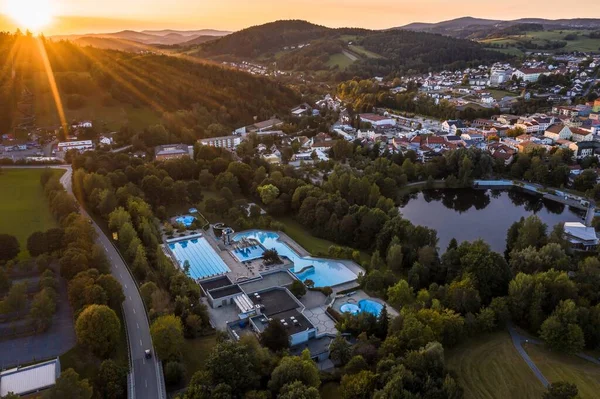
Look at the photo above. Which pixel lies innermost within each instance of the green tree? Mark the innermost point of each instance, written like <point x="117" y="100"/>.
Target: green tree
<point x="99" y="329"/>
<point x="68" y="385"/>
<point x="174" y="372"/>
<point x="395" y="257"/>
<point x="167" y="336"/>
<point x="42" y="310"/>
<point x="401" y="294"/>
<point x="111" y="380"/>
<point x="340" y="350"/>
<point x="9" y="247"/>
<point x="298" y="288"/>
<point x="295" y="368"/>
<point x="268" y="193"/>
<point x="358" y="386"/>
<point x="561" y="390"/>
<point x="561" y="331"/>
<point x="297" y="390"/>
<point x="275" y="337"/>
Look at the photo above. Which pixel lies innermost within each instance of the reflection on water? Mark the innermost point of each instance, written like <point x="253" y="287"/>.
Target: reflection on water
<point x="469" y="214"/>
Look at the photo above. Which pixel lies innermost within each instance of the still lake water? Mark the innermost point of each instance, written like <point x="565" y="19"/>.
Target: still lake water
<point x="469" y="214"/>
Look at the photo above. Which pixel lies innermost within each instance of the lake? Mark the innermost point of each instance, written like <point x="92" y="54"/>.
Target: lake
<point x="469" y="214"/>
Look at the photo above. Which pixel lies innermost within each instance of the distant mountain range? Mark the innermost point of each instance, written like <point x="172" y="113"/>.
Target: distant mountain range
<point x="469" y="27"/>
<point x="164" y="37"/>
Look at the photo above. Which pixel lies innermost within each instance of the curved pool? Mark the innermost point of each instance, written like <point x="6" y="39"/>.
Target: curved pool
<point x="364" y="305"/>
<point x="323" y="272"/>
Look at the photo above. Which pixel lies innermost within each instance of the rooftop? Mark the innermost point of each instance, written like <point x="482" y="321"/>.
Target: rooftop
<point x="225" y="291"/>
<point x="373" y="117"/>
<point x="580" y="231"/>
<point x="275" y="301"/>
<point x="296" y="322"/>
<point x="24" y="380"/>
<point x="171" y="149"/>
<point x="215" y="283"/>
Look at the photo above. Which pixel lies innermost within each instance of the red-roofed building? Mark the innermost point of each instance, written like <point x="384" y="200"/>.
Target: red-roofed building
<point x="377" y="120"/>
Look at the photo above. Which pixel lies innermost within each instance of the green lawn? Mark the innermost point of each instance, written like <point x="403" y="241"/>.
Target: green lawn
<point x="195" y="353"/>
<point x="312" y="244"/>
<point x="490" y="367"/>
<point x="500" y="94"/>
<point x="23" y="206"/>
<point x="562" y="367"/>
<point x="339" y="59"/>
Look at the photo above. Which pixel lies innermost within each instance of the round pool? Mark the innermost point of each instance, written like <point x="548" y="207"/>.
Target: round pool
<point x="350" y="308"/>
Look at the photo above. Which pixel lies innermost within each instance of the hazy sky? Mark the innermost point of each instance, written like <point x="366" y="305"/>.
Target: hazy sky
<point x="80" y="16"/>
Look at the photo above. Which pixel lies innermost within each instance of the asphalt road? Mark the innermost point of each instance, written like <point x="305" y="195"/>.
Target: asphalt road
<point x="147" y="376"/>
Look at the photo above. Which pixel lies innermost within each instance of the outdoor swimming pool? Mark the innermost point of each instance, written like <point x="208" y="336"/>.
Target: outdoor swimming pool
<point x="324" y="272"/>
<point x="203" y="259"/>
<point x="185" y="220"/>
<point x="364" y="305"/>
<point x="249" y="253"/>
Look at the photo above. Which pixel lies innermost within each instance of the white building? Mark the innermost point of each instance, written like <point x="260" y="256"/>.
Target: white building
<point x="29" y="380"/>
<point x="230" y="142"/>
<point x="377" y="120"/>
<point x="530" y="74"/>
<point x="75" y="145"/>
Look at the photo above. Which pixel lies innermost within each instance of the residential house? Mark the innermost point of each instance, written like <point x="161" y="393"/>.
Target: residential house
<point x="581" y="135"/>
<point x="452" y="126"/>
<point x="584" y="149"/>
<point x="322" y="142"/>
<point x="558" y="132"/>
<point x="230" y="142"/>
<point x="529" y="127"/>
<point x="502" y="152"/>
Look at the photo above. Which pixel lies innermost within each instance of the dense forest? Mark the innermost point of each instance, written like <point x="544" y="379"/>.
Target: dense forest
<point x="166" y="85"/>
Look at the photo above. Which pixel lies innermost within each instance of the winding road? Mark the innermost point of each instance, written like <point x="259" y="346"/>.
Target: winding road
<point x="146" y="378"/>
<point x="146" y="374"/>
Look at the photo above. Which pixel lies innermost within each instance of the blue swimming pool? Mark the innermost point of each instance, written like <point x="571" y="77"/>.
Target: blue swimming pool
<point x="204" y="261"/>
<point x="364" y="305"/>
<point x="249" y="253"/>
<point x="185" y="220"/>
<point x="324" y="272"/>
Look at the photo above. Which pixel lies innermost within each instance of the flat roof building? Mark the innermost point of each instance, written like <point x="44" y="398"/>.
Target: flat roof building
<point x="30" y="379"/>
<point x="173" y="151"/>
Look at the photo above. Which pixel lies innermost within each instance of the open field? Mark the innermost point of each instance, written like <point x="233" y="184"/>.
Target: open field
<point x="500" y="94"/>
<point x="23" y="206"/>
<point x="363" y="51"/>
<point x="562" y="367"/>
<point x="195" y="353"/>
<point x="339" y="59"/>
<point x="582" y="43"/>
<point x="490" y="367"/>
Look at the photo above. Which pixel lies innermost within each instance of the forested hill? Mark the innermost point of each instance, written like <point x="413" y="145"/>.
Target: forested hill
<point x="271" y="37"/>
<point x="302" y="46"/>
<point x="102" y="83"/>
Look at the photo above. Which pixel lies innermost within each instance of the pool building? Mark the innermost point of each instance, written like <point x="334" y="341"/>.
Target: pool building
<point x="198" y="253"/>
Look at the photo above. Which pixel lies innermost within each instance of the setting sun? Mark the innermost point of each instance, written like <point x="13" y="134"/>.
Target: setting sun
<point x="30" y="14"/>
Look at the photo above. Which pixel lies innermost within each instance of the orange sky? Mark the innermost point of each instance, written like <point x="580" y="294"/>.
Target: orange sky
<point x="85" y="16"/>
